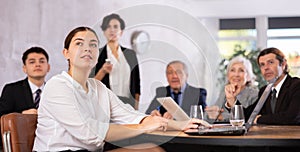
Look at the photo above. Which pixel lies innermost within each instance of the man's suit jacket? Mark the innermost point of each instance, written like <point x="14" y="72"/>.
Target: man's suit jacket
<point x="131" y="59"/>
<point x="16" y="97"/>
<point x="287" y="110"/>
<point x="191" y="96"/>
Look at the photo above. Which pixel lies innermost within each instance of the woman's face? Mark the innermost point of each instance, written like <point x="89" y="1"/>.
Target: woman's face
<point x="83" y="50"/>
<point x="237" y="74"/>
<point x="113" y="31"/>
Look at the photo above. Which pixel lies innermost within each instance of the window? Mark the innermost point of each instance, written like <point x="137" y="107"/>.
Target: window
<point x="284" y="34"/>
<point x="230" y="39"/>
<point x="236" y="32"/>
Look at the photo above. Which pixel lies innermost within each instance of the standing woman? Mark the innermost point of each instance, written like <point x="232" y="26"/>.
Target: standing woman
<point x="121" y="72"/>
<point x="75" y="111"/>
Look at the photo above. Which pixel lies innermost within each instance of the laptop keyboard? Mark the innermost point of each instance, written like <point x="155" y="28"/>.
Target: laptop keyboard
<point x="226" y="130"/>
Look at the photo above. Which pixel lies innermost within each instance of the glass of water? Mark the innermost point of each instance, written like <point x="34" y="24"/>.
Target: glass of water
<point x="237" y="116"/>
<point x="196" y="111"/>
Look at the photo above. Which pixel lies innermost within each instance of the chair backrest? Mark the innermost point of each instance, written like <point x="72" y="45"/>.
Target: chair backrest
<point x="18" y="132"/>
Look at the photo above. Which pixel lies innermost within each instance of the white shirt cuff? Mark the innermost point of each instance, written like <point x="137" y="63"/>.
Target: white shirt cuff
<point x="226" y="105"/>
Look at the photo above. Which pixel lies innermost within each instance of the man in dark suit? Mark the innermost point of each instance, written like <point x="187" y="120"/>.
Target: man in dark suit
<point x="184" y="94"/>
<point x="22" y="96"/>
<point x="282" y="107"/>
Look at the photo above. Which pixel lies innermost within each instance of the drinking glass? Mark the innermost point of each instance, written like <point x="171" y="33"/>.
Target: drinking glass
<point x="237" y="116"/>
<point x="196" y="111"/>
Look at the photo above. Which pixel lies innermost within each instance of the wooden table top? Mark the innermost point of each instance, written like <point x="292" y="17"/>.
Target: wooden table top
<point x="274" y="132"/>
<point x="263" y="135"/>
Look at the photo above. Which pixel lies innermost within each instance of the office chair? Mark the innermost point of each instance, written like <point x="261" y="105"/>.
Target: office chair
<point x="18" y="132"/>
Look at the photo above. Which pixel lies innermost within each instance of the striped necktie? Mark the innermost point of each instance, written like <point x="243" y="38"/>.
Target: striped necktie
<point x="37" y="98"/>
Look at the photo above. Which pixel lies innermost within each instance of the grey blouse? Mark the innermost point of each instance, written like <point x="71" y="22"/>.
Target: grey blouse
<point x="246" y="97"/>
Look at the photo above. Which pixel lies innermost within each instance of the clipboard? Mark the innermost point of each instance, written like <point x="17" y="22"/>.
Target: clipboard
<point x="173" y="108"/>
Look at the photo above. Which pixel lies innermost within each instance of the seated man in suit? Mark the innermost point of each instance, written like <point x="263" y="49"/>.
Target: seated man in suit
<point x="282" y="107"/>
<point x="22" y="96"/>
<point x="184" y="94"/>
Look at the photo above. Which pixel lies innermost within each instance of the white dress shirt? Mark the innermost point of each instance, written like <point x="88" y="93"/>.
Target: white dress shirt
<point x="34" y="88"/>
<point x="278" y="86"/>
<point x="69" y="118"/>
<point x="119" y="77"/>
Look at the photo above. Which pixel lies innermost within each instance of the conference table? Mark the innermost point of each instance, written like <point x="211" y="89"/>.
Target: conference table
<point x="258" y="138"/>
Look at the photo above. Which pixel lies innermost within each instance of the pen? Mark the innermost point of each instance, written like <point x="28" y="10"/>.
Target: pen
<point x="219" y="114"/>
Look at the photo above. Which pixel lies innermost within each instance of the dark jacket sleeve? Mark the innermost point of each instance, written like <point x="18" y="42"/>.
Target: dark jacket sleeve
<point x="287" y="111"/>
<point x="160" y="92"/>
<point x="101" y="61"/>
<point x="153" y="105"/>
<point x="132" y="60"/>
<point x="6" y="100"/>
<point x="16" y="97"/>
<point x="202" y="98"/>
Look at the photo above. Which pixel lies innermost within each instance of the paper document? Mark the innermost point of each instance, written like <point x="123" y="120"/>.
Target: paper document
<point x="173" y="108"/>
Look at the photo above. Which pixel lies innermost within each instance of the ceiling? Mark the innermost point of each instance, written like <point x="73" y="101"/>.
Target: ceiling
<point x="224" y="8"/>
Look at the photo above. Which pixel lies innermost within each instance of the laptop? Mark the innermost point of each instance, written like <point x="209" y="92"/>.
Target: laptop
<point x="217" y="129"/>
<point x="178" y="114"/>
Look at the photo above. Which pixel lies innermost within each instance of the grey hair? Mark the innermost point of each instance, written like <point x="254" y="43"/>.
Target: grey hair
<point x="248" y="66"/>
<point x="185" y="68"/>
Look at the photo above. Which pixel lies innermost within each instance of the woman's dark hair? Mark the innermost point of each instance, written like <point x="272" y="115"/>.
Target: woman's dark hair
<point x="279" y="56"/>
<point x="74" y="31"/>
<point x="34" y="50"/>
<point x="108" y="18"/>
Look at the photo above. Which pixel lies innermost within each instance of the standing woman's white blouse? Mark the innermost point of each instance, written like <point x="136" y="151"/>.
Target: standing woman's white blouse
<point x="69" y="118"/>
<point x="119" y="77"/>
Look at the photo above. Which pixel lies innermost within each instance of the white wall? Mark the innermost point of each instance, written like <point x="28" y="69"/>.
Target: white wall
<point x="25" y="23"/>
<point x="226" y="8"/>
